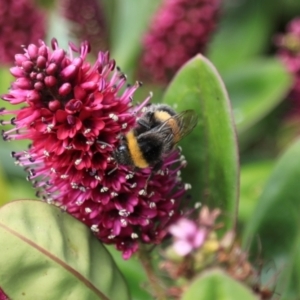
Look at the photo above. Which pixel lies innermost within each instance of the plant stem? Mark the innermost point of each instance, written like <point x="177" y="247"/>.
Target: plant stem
<point x="156" y="286"/>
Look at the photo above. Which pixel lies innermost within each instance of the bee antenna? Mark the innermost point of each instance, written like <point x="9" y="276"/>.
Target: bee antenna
<point x="113" y="170"/>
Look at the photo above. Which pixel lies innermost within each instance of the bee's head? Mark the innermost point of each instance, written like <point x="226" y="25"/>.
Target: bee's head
<point x="122" y="154"/>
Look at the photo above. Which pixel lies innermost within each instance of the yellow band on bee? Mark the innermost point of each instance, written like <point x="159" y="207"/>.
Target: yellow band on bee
<point x="135" y="151"/>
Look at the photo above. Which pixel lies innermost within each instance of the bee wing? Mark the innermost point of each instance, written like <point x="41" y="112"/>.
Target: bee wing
<point x="182" y="124"/>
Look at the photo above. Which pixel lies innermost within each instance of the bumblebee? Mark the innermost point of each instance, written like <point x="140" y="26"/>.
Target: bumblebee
<point x="158" y="130"/>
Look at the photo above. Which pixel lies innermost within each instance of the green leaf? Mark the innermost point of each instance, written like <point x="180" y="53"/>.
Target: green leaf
<point x="131" y="21"/>
<point x="215" y="284"/>
<point x="45" y="252"/>
<point x="275" y="221"/>
<point x="255" y="88"/>
<point x="211" y="149"/>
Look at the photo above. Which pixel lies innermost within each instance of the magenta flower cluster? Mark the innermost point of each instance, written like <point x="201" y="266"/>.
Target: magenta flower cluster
<point x="21" y="23"/>
<point x="87" y="21"/>
<point x="289" y="53"/>
<point x="178" y="31"/>
<point x="74" y="114"/>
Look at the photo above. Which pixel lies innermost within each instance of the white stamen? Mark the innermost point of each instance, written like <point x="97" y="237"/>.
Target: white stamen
<point x="160" y="172"/>
<point x="114" y="194"/>
<point x="133" y="185"/>
<point x="197" y="205"/>
<point x="63" y="208"/>
<point x="95" y="228"/>
<point x="124" y="213"/>
<point x="79" y="202"/>
<point x="87" y="210"/>
<point x="172" y="201"/>
<point x="123" y="222"/>
<point x="111" y="236"/>
<point x="124" y="125"/>
<point x="74" y="185"/>
<point x="171" y="213"/>
<point x="152" y="205"/>
<point x="134" y="235"/>
<point x="82" y="189"/>
<point x="88" y="130"/>
<point x="97" y="177"/>
<point x="49" y="127"/>
<point x="49" y="200"/>
<point x="104" y="189"/>
<point x="114" y="117"/>
<point x="64" y="176"/>
<point x="187" y="186"/>
<point x="46" y="153"/>
<point x="53" y="170"/>
<point x="142" y="192"/>
<point x="129" y="176"/>
<point x="78" y="161"/>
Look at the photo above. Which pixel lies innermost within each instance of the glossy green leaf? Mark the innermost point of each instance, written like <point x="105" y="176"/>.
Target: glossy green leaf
<point x="255" y="88"/>
<point x="45" y="251"/>
<point x="275" y="222"/>
<point x="211" y="149"/>
<point x="216" y="285"/>
<point x="131" y="21"/>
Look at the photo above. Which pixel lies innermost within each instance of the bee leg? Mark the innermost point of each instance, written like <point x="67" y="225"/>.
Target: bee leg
<point x="155" y="168"/>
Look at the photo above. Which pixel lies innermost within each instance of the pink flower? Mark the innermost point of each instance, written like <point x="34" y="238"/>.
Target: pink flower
<point x="191" y="235"/>
<point x="289" y="53"/>
<point x="88" y="21"/>
<point x="21" y="23"/>
<point x="74" y="113"/>
<point x="187" y="236"/>
<point x="178" y="31"/>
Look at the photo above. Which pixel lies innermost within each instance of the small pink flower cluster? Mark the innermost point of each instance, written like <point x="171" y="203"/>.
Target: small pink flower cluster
<point x="191" y="235"/>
